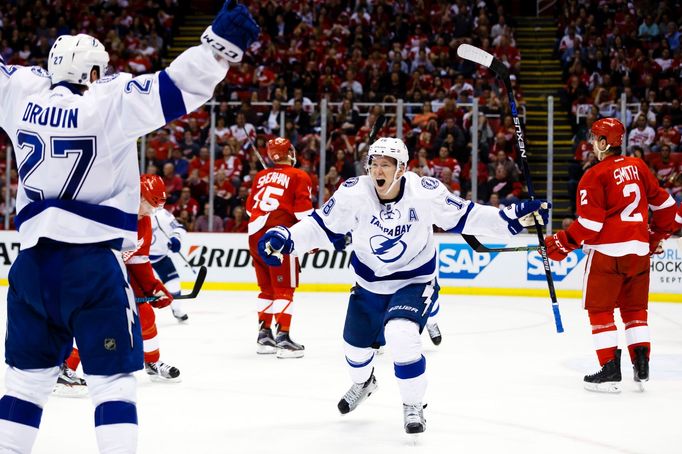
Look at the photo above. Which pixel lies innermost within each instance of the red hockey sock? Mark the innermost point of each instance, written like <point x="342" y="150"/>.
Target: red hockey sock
<point x="604" y="335"/>
<point x="636" y="331"/>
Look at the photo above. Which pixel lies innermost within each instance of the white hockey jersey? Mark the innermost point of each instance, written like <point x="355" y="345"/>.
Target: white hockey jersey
<point x="393" y="244"/>
<point x="77" y="154"/>
<point x="164" y="227"/>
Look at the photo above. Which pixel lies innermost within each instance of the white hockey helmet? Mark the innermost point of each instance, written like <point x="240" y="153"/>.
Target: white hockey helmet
<point x="73" y="57"/>
<point x="389" y="147"/>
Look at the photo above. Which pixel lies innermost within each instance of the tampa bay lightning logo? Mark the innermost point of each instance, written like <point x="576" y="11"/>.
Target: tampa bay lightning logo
<point x="389" y="213"/>
<point x="430" y="183"/>
<point x="108" y="78"/>
<point x="351" y="182"/>
<point x="388" y="250"/>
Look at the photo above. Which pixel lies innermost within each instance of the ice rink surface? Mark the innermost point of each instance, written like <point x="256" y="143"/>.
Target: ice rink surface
<point x="502" y="381"/>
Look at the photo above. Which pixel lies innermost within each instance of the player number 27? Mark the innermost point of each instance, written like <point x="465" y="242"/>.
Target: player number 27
<point x="85" y="149"/>
<point x="266" y="198"/>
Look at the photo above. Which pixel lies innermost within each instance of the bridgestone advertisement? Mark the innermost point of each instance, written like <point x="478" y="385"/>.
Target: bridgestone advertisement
<point x="460" y="269"/>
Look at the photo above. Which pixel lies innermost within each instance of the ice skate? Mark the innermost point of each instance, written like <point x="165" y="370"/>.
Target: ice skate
<point x="162" y="372"/>
<point x="265" y="345"/>
<point x="69" y="384"/>
<point x="641" y="366"/>
<point x="356" y="394"/>
<point x="180" y="316"/>
<point x="414" y="418"/>
<point x="434" y="333"/>
<point x="607" y="380"/>
<point x="286" y="348"/>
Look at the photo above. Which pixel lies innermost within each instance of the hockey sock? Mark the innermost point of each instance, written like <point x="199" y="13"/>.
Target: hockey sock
<point x="114" y="397"/>
<point x="150" y="341"/>
<point x="21" y="409"/>
<point x="282" y="309"/>
<point x="265" y="312"/>
<point x="636" y="331"/>
<point x="360" y="361"/>
<point x="73" y="360"/>
<point x="402" y="337"/>
<point x="433" y="314"/>
<point x="604" y="335"/>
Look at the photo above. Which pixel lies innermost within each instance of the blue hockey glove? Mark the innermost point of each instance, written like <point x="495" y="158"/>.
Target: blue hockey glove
<point x="340" y="242"/>
<point x="274" y="244"/>
<point x="174" y="244"/>
<point x="232" y="32"/>
<point x="522" y="214"/>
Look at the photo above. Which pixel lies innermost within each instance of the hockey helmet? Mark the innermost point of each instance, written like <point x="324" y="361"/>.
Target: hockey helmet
<point x="280" y="148"/>
<point x="389" y="147"/>
<point x="610" y="129"/>
<point x="72" y="58"/>
<point x="153" y="189"/>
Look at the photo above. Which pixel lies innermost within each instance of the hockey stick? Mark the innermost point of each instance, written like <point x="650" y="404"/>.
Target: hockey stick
<point x="378" y="124"/>
<point x="479" y="247"/>
<point x="255" y="150"/>
<point x="198" y="283"/>
<point x="483" y="58"/>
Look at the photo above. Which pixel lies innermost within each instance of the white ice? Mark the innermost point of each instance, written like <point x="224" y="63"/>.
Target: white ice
<point x="502" y="381"/>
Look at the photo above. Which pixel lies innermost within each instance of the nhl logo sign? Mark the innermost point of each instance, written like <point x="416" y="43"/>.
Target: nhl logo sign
<point x="110" y="344"/>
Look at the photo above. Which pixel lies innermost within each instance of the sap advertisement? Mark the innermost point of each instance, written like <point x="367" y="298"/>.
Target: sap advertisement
<point x="230" y="266"/>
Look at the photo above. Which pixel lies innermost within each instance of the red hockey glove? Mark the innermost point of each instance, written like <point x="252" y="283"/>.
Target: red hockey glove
<point x="164" y="296"/>
<point x="656" y="242"/>
<point x="559" y="245"/>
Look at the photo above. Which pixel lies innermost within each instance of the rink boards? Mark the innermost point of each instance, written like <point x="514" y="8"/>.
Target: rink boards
<point x="460" y="270"/>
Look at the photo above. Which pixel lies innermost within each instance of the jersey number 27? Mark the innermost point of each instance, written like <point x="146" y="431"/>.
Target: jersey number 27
<point x="85" y="149"/>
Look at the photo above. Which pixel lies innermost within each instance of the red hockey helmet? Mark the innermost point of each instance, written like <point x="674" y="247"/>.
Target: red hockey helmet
<point x="153" y="189"/>
<point x="280" y="148"/>
<point x="610" y="128"/>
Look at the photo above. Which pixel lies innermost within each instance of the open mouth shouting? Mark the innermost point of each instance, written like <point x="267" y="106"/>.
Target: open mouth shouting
<point x="380" y="182"/>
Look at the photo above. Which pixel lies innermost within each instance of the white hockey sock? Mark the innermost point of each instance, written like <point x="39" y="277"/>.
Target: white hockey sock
<point x="433" y="315"/>
<point x="114" y="398"/>
<point x="402" y="337"/>
<point x="176" y="307"/>
<point x="22" y="407"/>
<point x="359" y="361"/>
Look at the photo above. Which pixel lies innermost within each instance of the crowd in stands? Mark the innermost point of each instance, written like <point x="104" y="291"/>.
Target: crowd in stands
<point x="611" y="48"/>
<point x="347" y="52"/>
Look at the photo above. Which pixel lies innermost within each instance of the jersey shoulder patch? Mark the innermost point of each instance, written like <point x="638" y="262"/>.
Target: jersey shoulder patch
<point x="430" y="183"/>
<point x="38" y="71"/>
<point x="349" y="183"/>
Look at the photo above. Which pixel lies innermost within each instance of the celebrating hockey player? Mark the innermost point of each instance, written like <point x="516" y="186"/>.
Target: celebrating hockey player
<point x="391" y="213"/>
<point x="280" y="195"/>
<point x="167" y="235"/>
<point x="145" y="285"/>
<point x="614" y="198"/>
<point x="78" y="195"/>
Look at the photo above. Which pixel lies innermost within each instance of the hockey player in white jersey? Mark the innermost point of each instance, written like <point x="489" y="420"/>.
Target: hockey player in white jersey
<point x="167" y="236"/>
<point x="74" y="134"/>
<point x="391" y="213"/>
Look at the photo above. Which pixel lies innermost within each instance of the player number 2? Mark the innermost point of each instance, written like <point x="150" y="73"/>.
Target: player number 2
<point x="265" y="198"/>
<point x="627" y="213"/>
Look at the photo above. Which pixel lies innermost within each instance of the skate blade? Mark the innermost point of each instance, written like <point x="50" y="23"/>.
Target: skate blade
<point x="286" y="354"/>
<point x="640" y="385"/>
<point x="159" y="379"/>
<point x="608" y="387"/>
<point x="265" y="349"/>
<point x="70" y="391"/>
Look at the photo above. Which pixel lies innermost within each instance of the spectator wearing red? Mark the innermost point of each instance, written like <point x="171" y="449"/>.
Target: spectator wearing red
<point x="667" y="134"/>
<point x="172" y="181"/>
<point x="238" y="223"/>
<point x="231" y="164"/>
<point x="224" y="191"/>
<point x="664" y="167"/>
<point x="420" y="163"/>
<point x="186" y="203"/>
<point x="162" y="145"/>
<point x="503" y="184"/>
<point x="198" y="186"/>
<point x="201" y="163"/>
<point x="445" y="161"/>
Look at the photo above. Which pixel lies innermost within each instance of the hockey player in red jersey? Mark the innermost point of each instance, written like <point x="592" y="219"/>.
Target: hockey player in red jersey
<point x="613" y="202"/>
<point x="280" y="195"/>
<point x="144" y="283"/>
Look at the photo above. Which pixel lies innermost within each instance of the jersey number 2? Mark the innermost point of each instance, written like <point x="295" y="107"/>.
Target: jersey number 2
<point x="627" y="213"/>
<point x="85" y="149"/>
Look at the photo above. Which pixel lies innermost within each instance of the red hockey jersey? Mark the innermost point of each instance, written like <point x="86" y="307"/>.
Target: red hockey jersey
<point x="280" y="195"/>
<point x="613" y="199"/>
<point x="140" y="271"/>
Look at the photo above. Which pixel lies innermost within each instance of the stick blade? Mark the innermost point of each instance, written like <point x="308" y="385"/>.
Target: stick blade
<point x="201" y="277"/>
<point x="474" y="54"/>
<point x="378" y="124"/>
